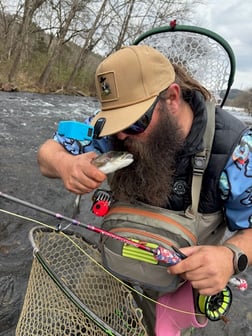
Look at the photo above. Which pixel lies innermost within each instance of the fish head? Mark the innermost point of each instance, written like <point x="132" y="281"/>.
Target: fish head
<point x="113" y="160"/>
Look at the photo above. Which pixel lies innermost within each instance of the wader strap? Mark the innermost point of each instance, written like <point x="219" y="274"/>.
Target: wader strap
<point x="201" y="159"/>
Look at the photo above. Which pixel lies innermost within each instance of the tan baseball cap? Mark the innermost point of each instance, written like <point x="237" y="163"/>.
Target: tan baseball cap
<point x="127" y="83"/>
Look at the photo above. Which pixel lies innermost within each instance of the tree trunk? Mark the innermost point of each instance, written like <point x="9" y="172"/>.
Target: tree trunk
<point x="63" y="30"/>
<point x="125" y="24"/>
<point x="87" y="47"/>
<point x="48" y="68"/>
<point x="30" y="6"/>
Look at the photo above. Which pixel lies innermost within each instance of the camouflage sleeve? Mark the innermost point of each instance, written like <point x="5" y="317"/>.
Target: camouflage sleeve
<point x="72" y="146"/>
<point x="76" y="147"/>
<point x="236" y="185"/>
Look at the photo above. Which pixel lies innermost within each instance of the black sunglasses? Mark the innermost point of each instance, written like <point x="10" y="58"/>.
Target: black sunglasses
<point x="142" y="123"/>
<point x="138" y="127"/>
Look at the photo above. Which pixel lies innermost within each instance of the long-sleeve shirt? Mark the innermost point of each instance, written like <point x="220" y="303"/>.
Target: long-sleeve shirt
<point x="235" y="182"/>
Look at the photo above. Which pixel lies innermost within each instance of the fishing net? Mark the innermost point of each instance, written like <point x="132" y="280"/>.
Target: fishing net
<point x="68" y="290"/>
<point x="206" y="56"/>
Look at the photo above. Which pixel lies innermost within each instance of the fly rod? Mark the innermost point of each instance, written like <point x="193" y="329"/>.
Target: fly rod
<point x="168" y="256"/>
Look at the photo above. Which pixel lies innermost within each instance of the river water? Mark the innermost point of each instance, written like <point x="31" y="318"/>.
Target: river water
<point x="27" y="120"/>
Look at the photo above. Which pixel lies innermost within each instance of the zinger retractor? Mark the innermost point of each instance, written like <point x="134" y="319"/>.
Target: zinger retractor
<point x="102" y="200"/>
<point x="215" y="307"/>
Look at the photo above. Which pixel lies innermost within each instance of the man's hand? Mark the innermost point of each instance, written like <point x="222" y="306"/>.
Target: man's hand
<point x="79" y="175"/>
<point x="77" y="172"/>
<point x="208" y="268"/>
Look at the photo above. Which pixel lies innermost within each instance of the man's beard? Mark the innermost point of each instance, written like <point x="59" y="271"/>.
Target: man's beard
<point x="150" y="177"/>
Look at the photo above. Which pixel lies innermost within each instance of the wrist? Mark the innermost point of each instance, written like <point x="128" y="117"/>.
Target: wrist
<point x="239" y="260"/>
<point x="62" y="163"/>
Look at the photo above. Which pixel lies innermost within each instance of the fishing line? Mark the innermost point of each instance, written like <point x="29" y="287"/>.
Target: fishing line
<point x="168" y="256"/>
<point x="98" y="264"/>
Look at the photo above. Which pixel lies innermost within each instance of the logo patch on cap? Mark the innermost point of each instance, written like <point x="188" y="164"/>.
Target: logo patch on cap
<point x="105" y="89"/>
<point x="107" y="86"/>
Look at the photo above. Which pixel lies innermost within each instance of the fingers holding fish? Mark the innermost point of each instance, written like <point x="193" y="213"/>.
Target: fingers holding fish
<point x="81" y="176"/>
<point x="84" y="173"/>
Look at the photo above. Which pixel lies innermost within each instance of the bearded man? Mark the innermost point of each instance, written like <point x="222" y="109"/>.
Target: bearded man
<point x="157" y="112"/>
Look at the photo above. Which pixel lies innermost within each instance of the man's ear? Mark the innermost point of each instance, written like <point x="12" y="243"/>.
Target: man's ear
<point x="173" y="97"/>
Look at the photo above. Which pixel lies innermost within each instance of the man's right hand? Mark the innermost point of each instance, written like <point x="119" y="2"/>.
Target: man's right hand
<point x="77" y="172"/>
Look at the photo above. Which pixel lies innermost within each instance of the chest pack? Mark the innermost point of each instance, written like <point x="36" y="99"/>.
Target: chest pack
<point x="156" y="227"/>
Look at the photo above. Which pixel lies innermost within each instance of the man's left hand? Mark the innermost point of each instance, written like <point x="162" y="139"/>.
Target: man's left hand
<point x="208" y="268"/>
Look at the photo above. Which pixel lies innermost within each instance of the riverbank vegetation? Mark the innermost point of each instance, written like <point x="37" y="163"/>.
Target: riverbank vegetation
<point x="56" y="45"/>
<point x="50" y="45"/>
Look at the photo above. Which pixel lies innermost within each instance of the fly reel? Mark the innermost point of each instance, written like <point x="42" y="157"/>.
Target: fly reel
<point x="215" y="307"/>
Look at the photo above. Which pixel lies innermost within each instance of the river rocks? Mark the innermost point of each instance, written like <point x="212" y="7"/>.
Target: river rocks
<point x="9" y="87"/>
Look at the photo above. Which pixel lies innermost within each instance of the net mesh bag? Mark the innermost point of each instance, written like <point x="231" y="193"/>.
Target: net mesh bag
<point x="205" y="59"/>
<point x="75" y="266"/>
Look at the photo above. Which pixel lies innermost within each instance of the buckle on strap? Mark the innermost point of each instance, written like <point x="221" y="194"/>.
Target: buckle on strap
<point x="199" y="163"/>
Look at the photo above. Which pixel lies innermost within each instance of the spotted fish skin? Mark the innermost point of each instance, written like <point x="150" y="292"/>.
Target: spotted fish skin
<point x="111" y="161"/>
